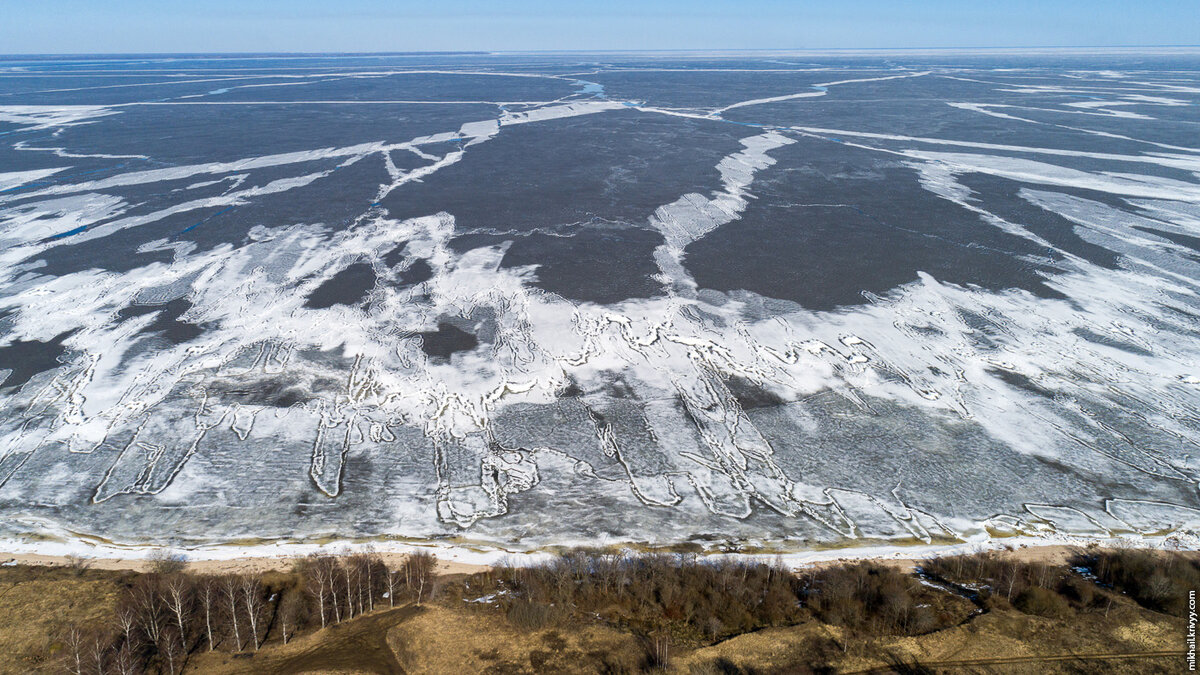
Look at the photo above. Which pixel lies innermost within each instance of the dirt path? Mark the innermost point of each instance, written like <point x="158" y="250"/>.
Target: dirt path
<point x="359" y="645"/>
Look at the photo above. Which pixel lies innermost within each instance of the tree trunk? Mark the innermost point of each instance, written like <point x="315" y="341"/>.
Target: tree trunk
<point x="321" y="603"/>
<point x="231" y="595"/>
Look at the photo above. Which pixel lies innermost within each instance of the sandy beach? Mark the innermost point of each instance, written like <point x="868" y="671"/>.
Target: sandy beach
<point x="468" y="561"/>
<point x="248" y="564"/>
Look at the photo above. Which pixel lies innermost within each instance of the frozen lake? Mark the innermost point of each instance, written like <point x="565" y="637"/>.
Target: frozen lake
<point x="787" y="300"/>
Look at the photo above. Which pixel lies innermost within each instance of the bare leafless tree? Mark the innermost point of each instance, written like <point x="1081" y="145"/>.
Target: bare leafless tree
<point x="166" y="562"/>
<point x="99" y="648"/>
<point x="75" y="645"/>
<point x="229" y="589"/>
<point x="251" y="589"/>
<point x="658" y="650"/>
<point x="124" y="661"/>
<point x="172" y="650"/>
<point x="348" y="574"/>
<point x="420" y="589"/>
<point x="366" y="579"/>
<point x="290" y="608"/>
<point x="127" y="623"/>
<point x="317" y="578"/>
<point x="78" y="563"/>
<point x="1011" y="571"/>
<point x="150" y="614"/>
<point x="421" y="568"/>
<point x="208" y="595"/>
<point x="361" y="571"/>
<point x="391" y="577"/>
<point x="177" y="592"/>
<point x="327" y="574"/>
<point x="332" y="569"/>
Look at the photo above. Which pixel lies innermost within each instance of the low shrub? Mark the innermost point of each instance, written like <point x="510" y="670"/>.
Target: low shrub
<point x="1042" y="602"/>
<point x="871" y="597"/>
<point x="1157" y="580"/>
<point x="533" y="616"/>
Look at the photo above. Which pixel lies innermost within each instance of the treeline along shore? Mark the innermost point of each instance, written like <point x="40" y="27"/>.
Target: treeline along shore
<point x="601" y="611"/>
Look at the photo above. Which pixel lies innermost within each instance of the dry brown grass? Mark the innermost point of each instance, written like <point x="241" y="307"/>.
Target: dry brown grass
<point x="38" y="603"/>
<point x="450" y="640"/>
<point x="448" y="635"/>
<point x="986" y="641"/>
<point x="357" y="646"/>
<point x="434" y="639"/>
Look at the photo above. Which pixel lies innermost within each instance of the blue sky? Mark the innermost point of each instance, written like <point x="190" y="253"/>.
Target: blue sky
<point x="97" y="26"/>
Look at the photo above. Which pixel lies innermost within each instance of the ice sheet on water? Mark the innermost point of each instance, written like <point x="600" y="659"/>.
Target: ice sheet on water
<point x="382" y="370"/>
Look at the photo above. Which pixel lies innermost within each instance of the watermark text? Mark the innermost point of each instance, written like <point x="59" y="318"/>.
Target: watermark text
<point x="1191" y="634"/>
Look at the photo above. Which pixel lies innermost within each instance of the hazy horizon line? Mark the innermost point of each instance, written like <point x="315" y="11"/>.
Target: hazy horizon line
<point x="451" y="52"/>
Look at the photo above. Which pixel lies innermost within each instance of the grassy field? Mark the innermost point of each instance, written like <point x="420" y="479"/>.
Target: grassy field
<point x="450" y="640"/>
<point x="37" y="604"/>
<point x="985" y="614"/>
